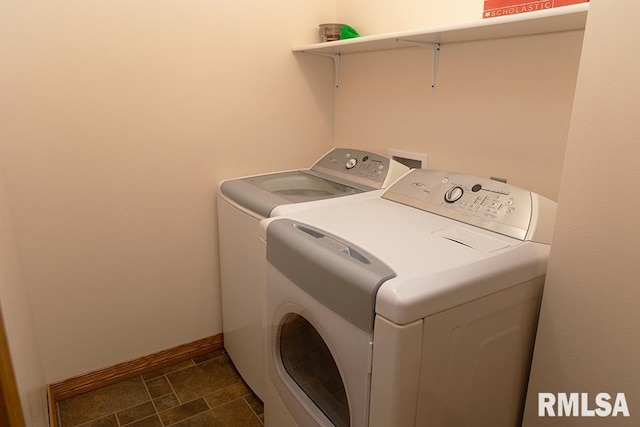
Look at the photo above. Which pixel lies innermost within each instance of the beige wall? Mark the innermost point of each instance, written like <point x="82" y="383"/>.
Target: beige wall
<point x="15" y="309"/>
<point x="588" y="338"/>
<point x="379" y="16"/>
<point x="117" y="119"/>
<point x="499" y="108"/>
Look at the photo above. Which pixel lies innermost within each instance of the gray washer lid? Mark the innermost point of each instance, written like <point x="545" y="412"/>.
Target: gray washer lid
<point x="263" y="193"/>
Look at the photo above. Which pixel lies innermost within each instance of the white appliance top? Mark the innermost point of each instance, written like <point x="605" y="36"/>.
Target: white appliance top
<point x="449" y="238"/>
<point x="340" y="172"/>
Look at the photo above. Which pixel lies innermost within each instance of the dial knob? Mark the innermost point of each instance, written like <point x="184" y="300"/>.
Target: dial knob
<point x="453" y="194"/>
<point x="351" y="163"/>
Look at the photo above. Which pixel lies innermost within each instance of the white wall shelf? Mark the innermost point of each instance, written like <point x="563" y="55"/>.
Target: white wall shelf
<point x="566" y="18"/>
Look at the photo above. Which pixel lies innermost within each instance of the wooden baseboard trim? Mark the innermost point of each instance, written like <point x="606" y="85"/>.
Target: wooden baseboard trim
<point x="103" y="377"/>
<point x="53" y="413"/>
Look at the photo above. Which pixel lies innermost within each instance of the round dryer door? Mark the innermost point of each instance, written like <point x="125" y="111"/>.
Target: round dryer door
<point x="310" y="364"/>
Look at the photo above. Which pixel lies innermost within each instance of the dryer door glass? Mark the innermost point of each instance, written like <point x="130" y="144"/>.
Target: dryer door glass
<point x="309" y="362"/>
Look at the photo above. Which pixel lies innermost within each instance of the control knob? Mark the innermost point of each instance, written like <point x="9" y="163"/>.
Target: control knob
<point x="351" y="163"/>
<point x="454" y="194"/>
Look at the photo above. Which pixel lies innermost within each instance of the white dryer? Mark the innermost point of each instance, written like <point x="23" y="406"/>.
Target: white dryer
<point x="418" y="308"/>
<point x="243" y="202"/>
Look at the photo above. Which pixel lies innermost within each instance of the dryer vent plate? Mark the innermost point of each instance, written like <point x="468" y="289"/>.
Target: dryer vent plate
<point x="409" y="159"/>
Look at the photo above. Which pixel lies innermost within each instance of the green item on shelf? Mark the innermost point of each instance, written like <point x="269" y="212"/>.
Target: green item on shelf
<point x="348" y="32"/>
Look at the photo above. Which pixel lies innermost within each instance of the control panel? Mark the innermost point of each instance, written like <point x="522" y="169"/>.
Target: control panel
<point x="486" y="203"/>
<point x="359" y="166"/>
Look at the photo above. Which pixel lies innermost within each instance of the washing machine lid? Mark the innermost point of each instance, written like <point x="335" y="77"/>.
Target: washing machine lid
<point x="262" y="193"/>
<point x="340" y="172"/>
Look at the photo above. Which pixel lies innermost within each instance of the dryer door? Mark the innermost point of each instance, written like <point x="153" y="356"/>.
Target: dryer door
<point x="307" y="360"/>
<point x="319" y="364"/>
<point x="320" y="304"/>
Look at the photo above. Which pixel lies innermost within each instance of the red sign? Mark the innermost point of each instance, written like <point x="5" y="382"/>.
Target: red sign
<point x="493" y="8"/>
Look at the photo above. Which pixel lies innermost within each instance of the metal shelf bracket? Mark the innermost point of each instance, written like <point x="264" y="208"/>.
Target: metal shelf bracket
<point x="336" y="64"/>
<point x="435" y="56"/>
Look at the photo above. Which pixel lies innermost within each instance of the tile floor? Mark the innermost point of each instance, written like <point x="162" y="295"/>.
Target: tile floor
<point x="205" y="391"/>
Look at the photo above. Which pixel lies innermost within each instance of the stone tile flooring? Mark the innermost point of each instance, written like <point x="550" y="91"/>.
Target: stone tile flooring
<point x="202" y="392"/>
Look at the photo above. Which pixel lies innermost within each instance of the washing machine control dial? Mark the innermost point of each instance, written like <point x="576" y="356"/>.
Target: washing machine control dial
<point x="351" y="163"/>
<point x="453" y="194"/>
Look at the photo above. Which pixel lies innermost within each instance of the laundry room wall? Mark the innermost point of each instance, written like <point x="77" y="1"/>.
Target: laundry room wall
<point x="15" y="309"/>
<point x="500" y="107"/>
<point x="588" y="339"/>
<point x="379" y="16"/>
<point x="117" y="119"/>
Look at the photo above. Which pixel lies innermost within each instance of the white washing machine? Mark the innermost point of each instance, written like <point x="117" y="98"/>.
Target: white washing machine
<point x="418" y="308"/>
<point x="243" y="202"/>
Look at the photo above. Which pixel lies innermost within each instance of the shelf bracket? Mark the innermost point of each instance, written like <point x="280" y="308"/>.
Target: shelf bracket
<point x="336" y="64"/>
<point x="435" y="56"/>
